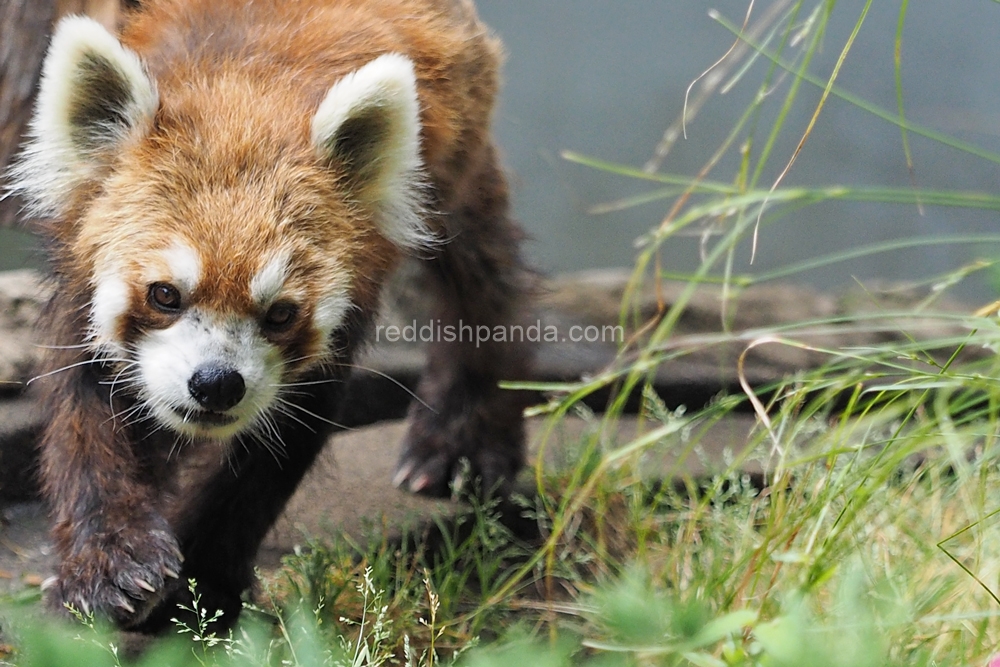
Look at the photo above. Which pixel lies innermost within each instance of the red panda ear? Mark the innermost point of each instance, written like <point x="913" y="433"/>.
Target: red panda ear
<point x="369" y="127"/>
<point x="93" y="93"/>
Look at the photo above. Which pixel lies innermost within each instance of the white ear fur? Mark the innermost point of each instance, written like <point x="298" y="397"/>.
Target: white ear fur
<point x="370" y="122"/>
<point x="93" y="92"/>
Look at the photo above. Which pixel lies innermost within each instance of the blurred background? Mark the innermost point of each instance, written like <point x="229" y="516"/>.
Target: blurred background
<point x="607" y="79"/>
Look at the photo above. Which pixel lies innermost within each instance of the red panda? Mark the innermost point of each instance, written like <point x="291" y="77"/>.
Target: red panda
<point x="224" y="187"/>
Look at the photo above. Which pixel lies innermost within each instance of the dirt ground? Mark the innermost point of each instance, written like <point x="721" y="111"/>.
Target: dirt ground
<point x="349" y="487"/>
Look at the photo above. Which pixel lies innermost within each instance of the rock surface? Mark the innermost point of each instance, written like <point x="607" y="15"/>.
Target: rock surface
<point x="21" y="297"/>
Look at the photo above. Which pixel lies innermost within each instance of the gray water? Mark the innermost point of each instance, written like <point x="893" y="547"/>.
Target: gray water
<point x="606" y="78"/>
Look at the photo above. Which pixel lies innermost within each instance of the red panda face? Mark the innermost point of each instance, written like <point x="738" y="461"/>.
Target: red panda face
<point x="224" y="229"/>
<point x="214" y="293"/>
<point x="214" y="355"/>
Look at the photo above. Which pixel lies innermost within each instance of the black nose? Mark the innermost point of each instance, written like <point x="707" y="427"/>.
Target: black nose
<point x="216" y="388"/>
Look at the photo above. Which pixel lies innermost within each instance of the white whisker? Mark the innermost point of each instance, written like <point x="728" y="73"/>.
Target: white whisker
<point x="179" y="442"/>
<point x="113" y="382"/>
<point x="269" y="436"/>
<point x="306" y="384"/>
<point x="290" y="404"/>
<point x="81" y="346"/>
<point x="283" y="409"/>
<point x="393" y="380"/>
<point x="266" y="432"/>
<point x="305" y="357"/>
<point x="77" y="365"/>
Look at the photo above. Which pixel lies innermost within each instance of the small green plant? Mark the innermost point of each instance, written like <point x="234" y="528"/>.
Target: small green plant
<point x="201" y="634"/>
<point x="371" y="647"/>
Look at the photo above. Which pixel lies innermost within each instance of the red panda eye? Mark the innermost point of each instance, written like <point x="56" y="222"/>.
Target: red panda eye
<point x="280" y="316"/>
<point x="164" y="297"/>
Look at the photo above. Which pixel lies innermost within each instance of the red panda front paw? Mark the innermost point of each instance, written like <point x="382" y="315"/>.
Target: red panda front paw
<point x="442" y="456"/>
<point x="119" y="575"/>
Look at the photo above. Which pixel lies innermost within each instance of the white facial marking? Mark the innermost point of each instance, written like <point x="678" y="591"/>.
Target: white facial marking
<point x="168" y="358"/>
<point x="266" y="285"/>
<point x="183" y="265"/>
<point x="110" y="303"/>
<point x="332" y="308"/>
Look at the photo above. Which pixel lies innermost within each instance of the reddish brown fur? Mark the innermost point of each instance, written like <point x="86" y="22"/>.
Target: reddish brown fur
<point x="228" y="166"/>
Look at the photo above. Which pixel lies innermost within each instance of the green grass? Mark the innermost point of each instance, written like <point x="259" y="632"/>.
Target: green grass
<point x="873" y="538"/>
